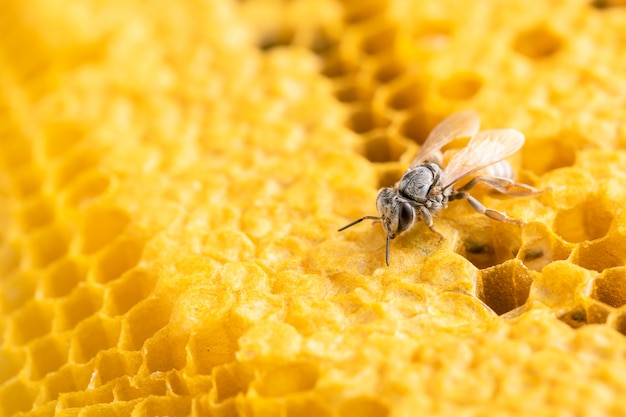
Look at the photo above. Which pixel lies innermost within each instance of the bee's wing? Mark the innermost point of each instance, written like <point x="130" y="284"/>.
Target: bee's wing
<point x="458" y="125"/>
<point x="485" y="148"/>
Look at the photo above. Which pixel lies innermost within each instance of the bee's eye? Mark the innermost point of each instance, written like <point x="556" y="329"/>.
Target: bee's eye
<point x="407" y="217"/>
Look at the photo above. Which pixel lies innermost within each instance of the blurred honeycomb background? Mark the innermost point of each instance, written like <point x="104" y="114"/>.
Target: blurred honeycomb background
<point x="172" y="176"/>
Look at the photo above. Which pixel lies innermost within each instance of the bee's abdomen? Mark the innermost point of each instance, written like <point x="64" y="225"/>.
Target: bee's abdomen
<point x="500" y="169"/>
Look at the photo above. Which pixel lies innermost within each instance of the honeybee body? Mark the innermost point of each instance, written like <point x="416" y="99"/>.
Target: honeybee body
<point x="426" y="187"/>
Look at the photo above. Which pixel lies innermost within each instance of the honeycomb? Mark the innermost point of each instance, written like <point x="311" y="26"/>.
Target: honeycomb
<point x="173" y="175"/>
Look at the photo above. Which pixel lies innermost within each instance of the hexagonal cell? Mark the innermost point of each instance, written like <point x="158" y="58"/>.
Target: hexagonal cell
<point x="538" y="42"/>
<point x="355" y="12"/>
<point x="62" y="277"/>
<point x="505" y="287"/>
<point x="126" y="292"/>
<point x="541" y="155"/>
<point x="48" y="244"/>
<point x="389" y="174"/>
<point x="288" y="379"/>
<point x="75" y="163"/>
<point x="17" y="290"/>
<point x="27" y="181"/>
<point x="112" y="364"/>
<point x="540" y="247"/>
<point x="381" y="40"/>
<point x="278" y="37"/>
<point x="461" y="86"/>
<point x="351" y="93"/>
<point x="617" y="320"/>
<point x="406" y="95"/>
<point x="143" y="321"/>
<point x="10" y="257"/>
<point x="11" y="362"/>
<point x="610" y="287"/>
<point x="17" y="396"/>
<point x="230" y="380"/>
<point x="92" y="336"/>
<point x="83" y="302"/>
<point x="381" y="148"/>
<point x="589" y="220"/>
<point x="85" y="188"/>
<point x="388" y="70"/>
<point x="418" y="125"/>
<point x="36" y="212"/>
<point x="68" y="378"/>
<point x="47" y="355"/>
<point x="337" y="67"/>
<point x="119" y="257"/>
<point x="363" y="407"/>
<point x="601" y="254"/>
<point x="597" y="312"/>
<point x="483" y="241"/>
<point x="366" y="120"/>
<point x="101" y="225"/>
<point x="31" y="321"/>
<point x="433" y="34"/>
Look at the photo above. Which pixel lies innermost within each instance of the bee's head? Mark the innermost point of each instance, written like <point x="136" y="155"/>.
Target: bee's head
<point x="396" y="214"/>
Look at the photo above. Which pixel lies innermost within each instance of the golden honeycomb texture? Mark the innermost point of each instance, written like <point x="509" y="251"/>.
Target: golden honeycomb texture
<point x="173" y="175"/>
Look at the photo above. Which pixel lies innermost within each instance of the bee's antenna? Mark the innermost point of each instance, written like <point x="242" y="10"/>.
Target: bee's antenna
<point x="358" y="221"/>
<point x="387" y="250"/>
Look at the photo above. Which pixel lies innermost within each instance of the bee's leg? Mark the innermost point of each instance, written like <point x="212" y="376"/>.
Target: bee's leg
<point x="479" y="207"/>
<point x="427" y="218"/>
<point x="502" y="185"/>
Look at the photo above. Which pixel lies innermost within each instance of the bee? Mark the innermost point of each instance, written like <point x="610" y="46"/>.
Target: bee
<point x="426" y="187"/>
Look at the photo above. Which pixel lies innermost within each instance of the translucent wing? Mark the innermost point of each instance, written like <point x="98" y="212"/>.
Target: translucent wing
<point x="485" y="148"/>
<point x="458" y="125"/>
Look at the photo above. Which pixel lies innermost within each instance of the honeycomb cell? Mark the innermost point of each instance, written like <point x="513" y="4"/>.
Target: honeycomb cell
<point x="505" y="287"/>
<point x="433" y="35"/>
<point x="35" y="213"/>
<point x="351" y="93"/>
<point x="610" y="287"/>
<point x="93" y="335"/>
<point x="230" y="380"/>
<point x="280" y="37"/>
<point x="122" y="255"/>
<point x="365" y="120"/>
<point x="80" y="399"/>
<point x="86" y="187"/>
<point x="543" y="155"/>
<point x="12" y="360"/>
<point x="389" y="174"/>
<point x="417" y="126"/>
<point x="83" y="302"/>
<point x="62" y="277"/>
<point x="61" y="136"/>
<point x="336" y="67"/>
<point x="388" y="70"/>
<point x="363" y="407"/>
<point x="596" y="312"/>
<point x="559" y="286"/>
<point x="31" y="321"/>
<point x="70" y="378"/>
<point x="165" y="351"/>
<point x="169" y="406"/>
<point x="380" y="41"/>
<point x="114" y="364"/>
<point x="540" y="247"/>
<point x="47" y="354"/>
<point x="17" y="291"/>
<point x="75" y="163"/>
<point x="101" y="225"/>
<point x="379" y="148"/>
<point x="129" y="290"/>
<point x="16" y="153"/>
<point x="538" y="42"/>
<point x="48" y="244"/>
<point x="27" y="181"/>
<point x="589" y="220"/>
<point x="142" y="322"/>
<point x="618" y="321"/>
<point x="288" y="379"/>
<point x="17" y="396"/>
<point x="461" y="86"/>
<point x="406" y="95"/>
<point x="362" y="11"/>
